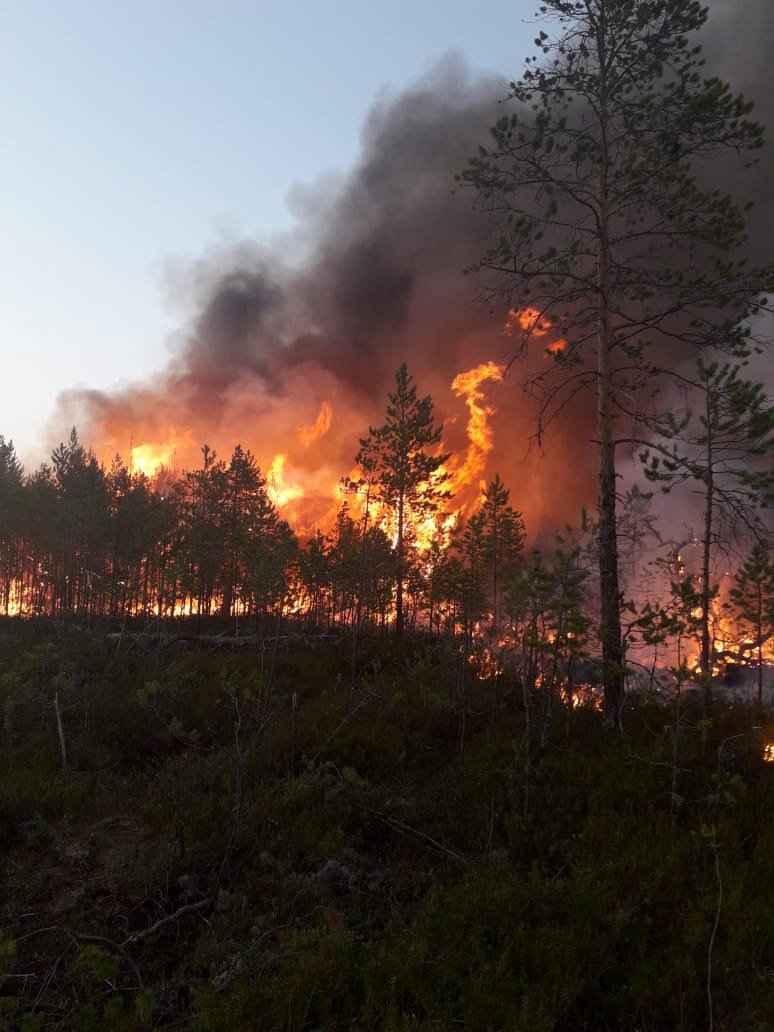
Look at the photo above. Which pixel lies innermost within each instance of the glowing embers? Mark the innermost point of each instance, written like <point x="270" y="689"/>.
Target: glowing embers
<point x="768" y="752"/>
<point x="532" y="325"/>
<point x="491" y="658"/>
<point x="488" y="652"/>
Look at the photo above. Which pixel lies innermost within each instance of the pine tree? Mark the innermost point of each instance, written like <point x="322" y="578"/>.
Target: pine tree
<point x="714" y="445"/>
<point x="752" y="601"/>
<point x="82" y="526"/>
<point x="503" y="538"/>
<point x="11" y="526"/>
<point x="604" y="228"/>
<point x="401" y="459"/>
<point x="244" y="512"/>
<point x="469" y="547"/>
<point x="203" y="532"/>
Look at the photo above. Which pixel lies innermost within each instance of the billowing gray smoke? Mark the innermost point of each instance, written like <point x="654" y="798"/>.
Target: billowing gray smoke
<point x="738" y="45"/>
<point x="381" y="283"/>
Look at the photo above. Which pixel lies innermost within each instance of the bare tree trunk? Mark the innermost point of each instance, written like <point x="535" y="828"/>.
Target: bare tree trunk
<point x="610" y="603"/>
<point x="399" y="619"/>
<point x="463" y="694"/>
<point x="706" y="642"/>
<point x="293" y="735"/>
<point x="610" y="627"/>
<point x="760" y="661"/>
<point x="709" y="498"/>
<point x="610" y="600"/>
<point x="359" y="605"/>
<point x="60" y="732"/>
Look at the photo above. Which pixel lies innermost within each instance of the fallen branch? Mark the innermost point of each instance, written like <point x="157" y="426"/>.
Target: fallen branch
<point x="144" y="933"/>
<point x="332" y="735"/>
<point x="406" y="829"/>
<point x="148" y="641"/>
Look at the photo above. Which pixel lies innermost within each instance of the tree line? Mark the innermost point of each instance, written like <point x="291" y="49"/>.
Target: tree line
<point x="79" y="538"/>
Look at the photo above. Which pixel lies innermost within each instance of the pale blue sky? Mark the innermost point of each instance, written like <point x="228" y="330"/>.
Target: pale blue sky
<point x="140" y="131"/>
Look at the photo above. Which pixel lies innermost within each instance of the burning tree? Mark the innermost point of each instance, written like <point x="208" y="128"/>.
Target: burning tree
<point x="402" y="471"/>
<point x="605" y="227"/>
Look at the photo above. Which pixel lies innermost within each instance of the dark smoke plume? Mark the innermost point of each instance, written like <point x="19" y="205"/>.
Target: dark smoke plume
<point x="381" y="283"/>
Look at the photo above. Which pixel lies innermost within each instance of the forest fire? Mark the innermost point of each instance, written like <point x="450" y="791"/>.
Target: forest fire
<point x="13" y="603"/>
<point x="304" y="482"/>
<point x="309" y="497"/>
<point x="148" y="459"/>
<point x="732" y="643"/>
<point x="282" y="493"/>
<point x="295" y="358"/>
<point x="292" y="356"/>
<point x="467" y="385"/>
<point x="307" y="435"/>
<point x="533" y="325"/>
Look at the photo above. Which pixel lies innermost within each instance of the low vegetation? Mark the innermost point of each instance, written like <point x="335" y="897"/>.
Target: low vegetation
<point x="227" y="839"/>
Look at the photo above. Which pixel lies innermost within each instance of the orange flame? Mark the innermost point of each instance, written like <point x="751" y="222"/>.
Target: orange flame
<point x="532" y="324"/>
<point x="280" y="491"/>
<point x="463" y="472"/>
<point x="728" y="640"/>
<point x="467" y="385"/>
<point x="15" y="604"/>
<point x="303" y="479"/>
<point x="309" y="434"/>
<point x="149" y="458"/>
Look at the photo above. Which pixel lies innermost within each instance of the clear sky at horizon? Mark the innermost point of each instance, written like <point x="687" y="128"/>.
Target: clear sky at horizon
<point x="138" y="133"/>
